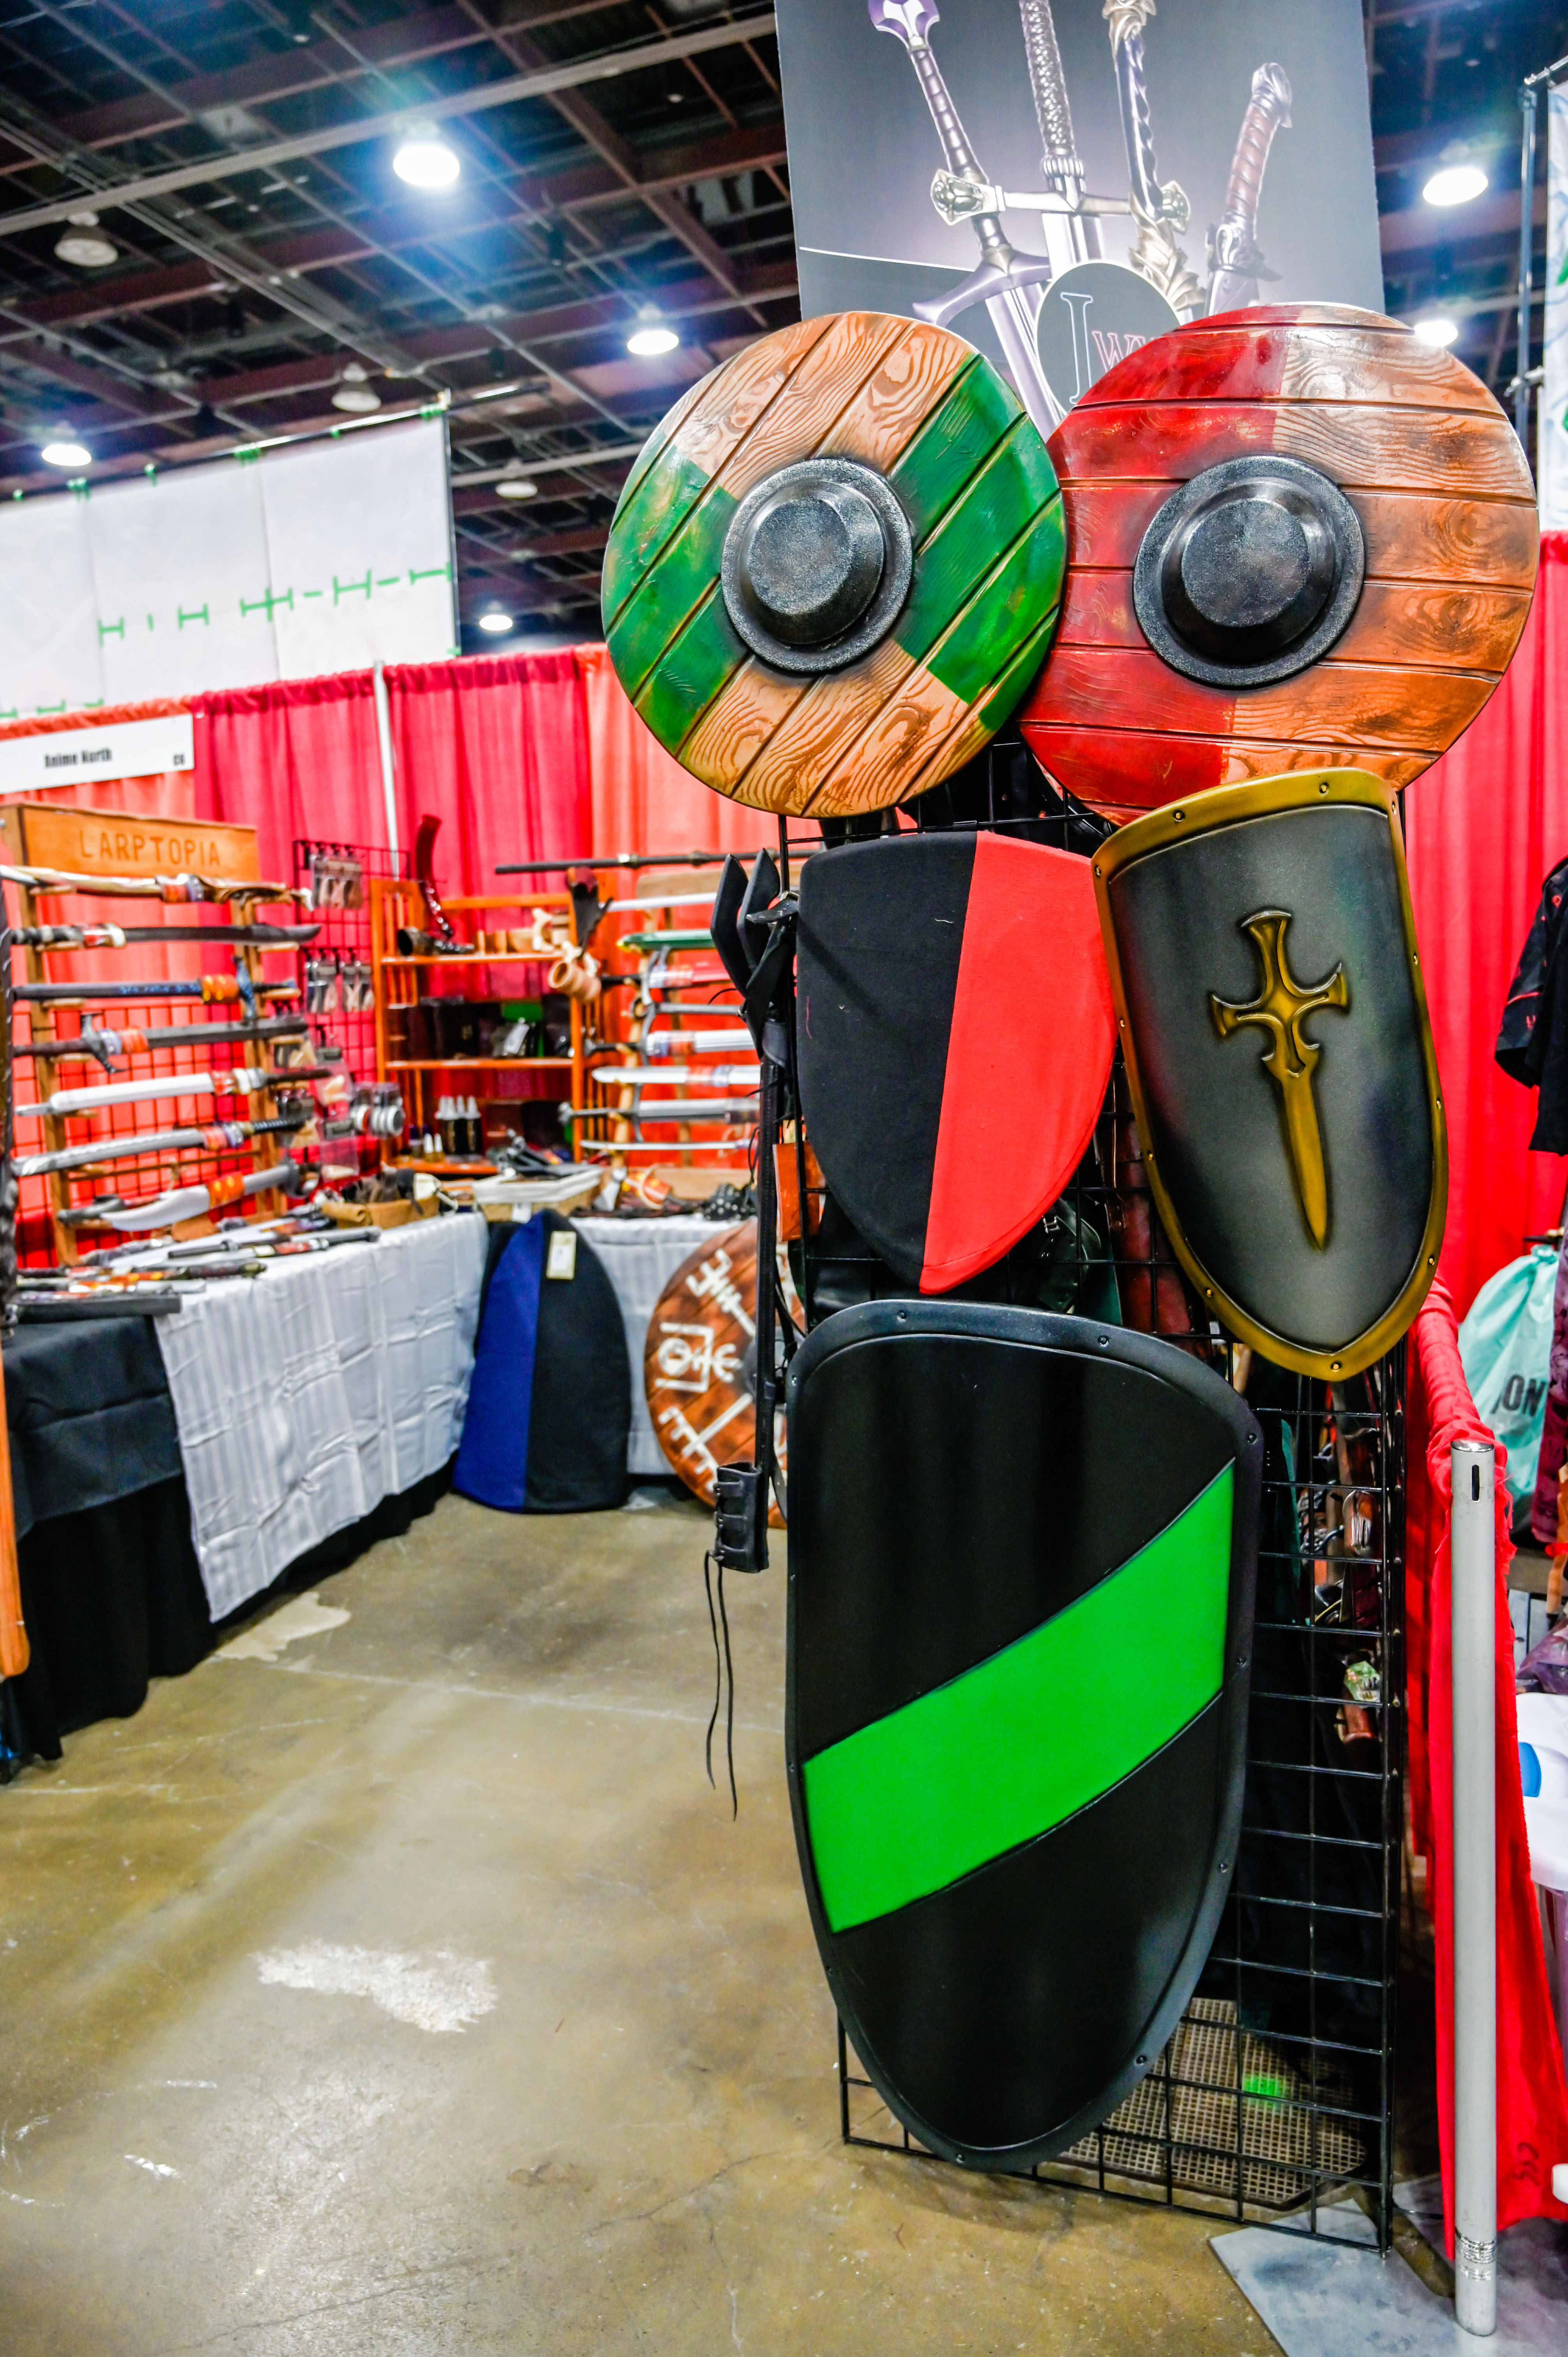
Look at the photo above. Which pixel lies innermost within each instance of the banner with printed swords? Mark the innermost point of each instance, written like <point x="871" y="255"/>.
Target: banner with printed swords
<point x="1061" y="181"/>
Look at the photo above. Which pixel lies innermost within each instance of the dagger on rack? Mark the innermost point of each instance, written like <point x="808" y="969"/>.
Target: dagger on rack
<point x="1159" y="207"/>
<point x="961" y="192"/>
<point x="1235" y="258"/>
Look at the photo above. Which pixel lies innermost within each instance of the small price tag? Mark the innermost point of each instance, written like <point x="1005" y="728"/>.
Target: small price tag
<point x="561" y="1260"/>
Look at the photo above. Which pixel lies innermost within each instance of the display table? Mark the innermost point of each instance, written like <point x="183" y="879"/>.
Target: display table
<point x="334" y="1386"/>
<point x="640" y="1256"/>
<point x="306" y="1395"/>
<point x="90" y="1416"/>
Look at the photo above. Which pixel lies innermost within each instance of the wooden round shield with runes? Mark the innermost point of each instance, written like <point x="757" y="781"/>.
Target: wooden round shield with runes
<point x="835" y="566"/>
<point x="699" y="1362"/>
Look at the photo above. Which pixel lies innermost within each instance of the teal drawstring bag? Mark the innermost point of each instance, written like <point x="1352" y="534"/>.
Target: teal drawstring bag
<point x="1505" y="1346"/>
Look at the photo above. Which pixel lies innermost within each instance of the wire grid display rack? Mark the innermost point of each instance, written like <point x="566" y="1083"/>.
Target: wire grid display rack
<point x="1274" y="2100"/>
<point x="343" y="944"/>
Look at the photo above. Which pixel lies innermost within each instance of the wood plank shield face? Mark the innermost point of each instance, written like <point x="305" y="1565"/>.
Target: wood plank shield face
<point x="1445" y="509"/>
<point x="1013" y="1884"/>
<point x="905" y="412"/>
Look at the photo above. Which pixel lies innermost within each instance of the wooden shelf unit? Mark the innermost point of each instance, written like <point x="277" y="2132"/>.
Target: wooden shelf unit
<point x="394" y="980"/>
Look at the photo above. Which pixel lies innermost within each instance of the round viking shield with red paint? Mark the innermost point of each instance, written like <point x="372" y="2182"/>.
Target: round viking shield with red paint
<point x="1296" y="538"/>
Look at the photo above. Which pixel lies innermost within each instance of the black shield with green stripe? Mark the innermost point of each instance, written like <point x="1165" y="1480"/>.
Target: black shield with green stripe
<point x="1022" y="1558"/>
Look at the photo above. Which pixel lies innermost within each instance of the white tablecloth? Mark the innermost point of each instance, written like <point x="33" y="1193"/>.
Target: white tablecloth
<point x="306" y="1395"/>
<point x="640" y="1256"/>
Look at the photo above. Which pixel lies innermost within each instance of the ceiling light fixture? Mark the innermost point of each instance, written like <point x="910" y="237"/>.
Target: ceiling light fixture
<point x="515" y="485"/>
<point x="651" y="336"/>
<point x="354" y="394"/>
<point x="1456" y="184"/>
<point x="425" y="160"/>
<point x="495" y="620"/>
<point x="1439" y="331"/>
<point x="64" y="453"/>
<point x="79" y="246"/>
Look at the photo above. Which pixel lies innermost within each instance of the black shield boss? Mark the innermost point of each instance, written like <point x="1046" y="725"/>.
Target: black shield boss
<point x="1016" y="1855"/>
<point x="1268" y="997"/>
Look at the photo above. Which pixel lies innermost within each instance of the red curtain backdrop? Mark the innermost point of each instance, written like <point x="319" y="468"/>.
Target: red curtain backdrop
<point x="1483" y="828"/>
<point x="296" y="757"/>
<point x="642" y="800"/>
<point x="497" y="748"/>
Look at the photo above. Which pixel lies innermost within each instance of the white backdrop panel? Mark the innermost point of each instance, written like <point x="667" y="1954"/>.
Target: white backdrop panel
<point x="177" y="558"/>
<point x="325" y="556"/>
<point x="372" y="580"/>
<point x="49" y="614"/>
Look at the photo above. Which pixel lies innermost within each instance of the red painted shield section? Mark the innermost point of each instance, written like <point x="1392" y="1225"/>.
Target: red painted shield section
<point x="1028" y="1059"/>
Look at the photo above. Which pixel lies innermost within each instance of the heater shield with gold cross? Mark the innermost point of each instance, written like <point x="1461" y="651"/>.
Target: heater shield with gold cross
<point x="1273" y="1022"/>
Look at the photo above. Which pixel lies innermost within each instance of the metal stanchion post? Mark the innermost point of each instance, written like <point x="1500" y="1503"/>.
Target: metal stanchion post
<point x="1473" y="1558"/>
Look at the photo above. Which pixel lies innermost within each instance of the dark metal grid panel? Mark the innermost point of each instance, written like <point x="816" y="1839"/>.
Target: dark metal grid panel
<point x="1276" y="2095"/>
<point x="344" y="941"/>
<point x="139" y="1175"/>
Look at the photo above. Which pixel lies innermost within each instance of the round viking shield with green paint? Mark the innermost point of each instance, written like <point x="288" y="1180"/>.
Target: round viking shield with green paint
<point x="1022" y="1558"/>
<point x="836" y="565"/>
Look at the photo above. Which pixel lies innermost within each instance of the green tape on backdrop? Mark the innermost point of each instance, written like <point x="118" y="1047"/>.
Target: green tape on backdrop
<point x="1023" y="1742"/>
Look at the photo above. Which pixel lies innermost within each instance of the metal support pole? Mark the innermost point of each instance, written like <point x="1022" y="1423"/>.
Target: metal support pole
<point x="389" y="768"/>
<point x="1473" y="1559"/>
<point x="1528" y="99"/>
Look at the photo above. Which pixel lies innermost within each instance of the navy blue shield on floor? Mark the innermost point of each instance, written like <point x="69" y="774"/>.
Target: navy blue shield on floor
<point x="1022" y="1558"/>
<point x="550" y="1404"/>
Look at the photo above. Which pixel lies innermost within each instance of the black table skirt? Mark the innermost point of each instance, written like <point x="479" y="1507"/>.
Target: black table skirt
<point x="112" y="1593"/>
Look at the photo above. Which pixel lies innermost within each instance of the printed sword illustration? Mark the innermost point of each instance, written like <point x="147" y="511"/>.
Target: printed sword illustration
<point x="1290" y="1059"/>
<point x="1160" y="209"/>
<point x="1234" y="256"/>
<point x="1004" y="277"/>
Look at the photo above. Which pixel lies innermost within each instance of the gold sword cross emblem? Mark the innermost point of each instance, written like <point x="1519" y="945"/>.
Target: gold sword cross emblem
<point x="1279" y="1010"/>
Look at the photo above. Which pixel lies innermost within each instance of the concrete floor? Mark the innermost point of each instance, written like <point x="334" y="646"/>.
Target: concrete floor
<point x="409" y="1992"/>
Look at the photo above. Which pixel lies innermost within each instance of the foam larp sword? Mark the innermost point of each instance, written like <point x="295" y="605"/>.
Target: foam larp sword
<point x="1234" y="255"/>
<point x="117" y="937"/>
<point x="219" y="1137"/>
<point x="174" y="889"/>
<point x="106" y="1048"/>
<point x="1004" y="277"/>
<point x="185" y="1202"/>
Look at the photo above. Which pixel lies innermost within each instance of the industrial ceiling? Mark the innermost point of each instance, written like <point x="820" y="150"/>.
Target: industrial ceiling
<point x="254" y="267"/>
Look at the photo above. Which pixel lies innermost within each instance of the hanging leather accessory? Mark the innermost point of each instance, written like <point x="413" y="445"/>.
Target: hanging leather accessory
<point x="835" y="566"/>
<point x="1297" y="537"/>
<point x="1016" y="1818"/>
<point x="1273" y="1022"/>
<point x="956" y="1038"/>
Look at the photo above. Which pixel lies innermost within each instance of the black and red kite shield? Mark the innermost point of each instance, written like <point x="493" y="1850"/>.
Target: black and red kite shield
<point x="956" y="1036"/>
<point x="1016" y="1835"/>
